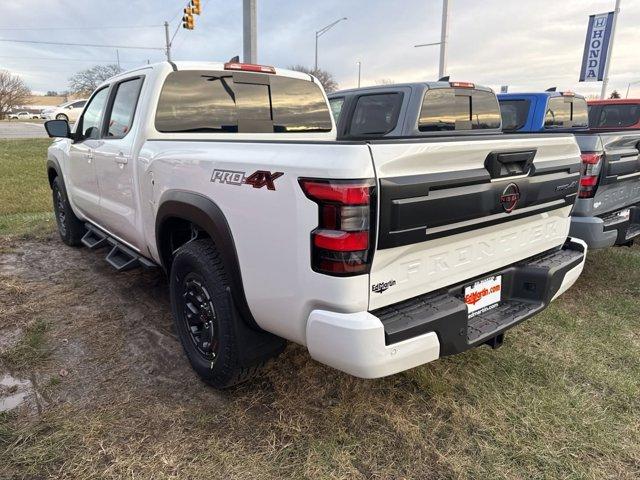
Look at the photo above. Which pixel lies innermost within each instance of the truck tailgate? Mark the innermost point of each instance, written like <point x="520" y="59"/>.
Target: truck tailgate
<point x="454" y="209"/>
<point x="619" y="184"/>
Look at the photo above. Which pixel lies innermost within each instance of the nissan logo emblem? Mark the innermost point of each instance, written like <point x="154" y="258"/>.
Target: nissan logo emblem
<point x="510" y="197"/>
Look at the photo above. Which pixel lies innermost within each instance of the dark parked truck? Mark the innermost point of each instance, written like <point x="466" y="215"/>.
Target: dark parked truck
<point x="607" y="211"/>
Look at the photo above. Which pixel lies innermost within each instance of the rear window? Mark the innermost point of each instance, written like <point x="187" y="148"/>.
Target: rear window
<point x="514" y="113"/>
<point x="458" y="109"/>
<point x="229" y="102"/>
<point x="376" y="114"/>
<point x="614" y="116"/>
<point x="566" y="112"/>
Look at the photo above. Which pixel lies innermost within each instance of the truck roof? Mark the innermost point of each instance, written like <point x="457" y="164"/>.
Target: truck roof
<point x="425" y="84"/>
<point x="615" y="101"/>
<point x="198" y="65"/>
<point x="537" y="94"/>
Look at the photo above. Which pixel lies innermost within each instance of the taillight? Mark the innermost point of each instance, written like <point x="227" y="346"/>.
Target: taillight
<point x="342" y="244"/>
<point x="591" y="164"/>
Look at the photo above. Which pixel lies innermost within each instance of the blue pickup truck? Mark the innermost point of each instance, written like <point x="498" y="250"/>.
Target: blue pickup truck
<point x="607" y="211"/>
<point x="548" y="111"/>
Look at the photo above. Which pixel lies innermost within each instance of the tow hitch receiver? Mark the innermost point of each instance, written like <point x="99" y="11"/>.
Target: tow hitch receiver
<point x="496" y="342"/>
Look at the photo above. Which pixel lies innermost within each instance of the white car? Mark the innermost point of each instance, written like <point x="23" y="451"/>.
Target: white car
<point x="376" y="254"/>
<point x="22" y="116"/>
<point x="69" y="111"/>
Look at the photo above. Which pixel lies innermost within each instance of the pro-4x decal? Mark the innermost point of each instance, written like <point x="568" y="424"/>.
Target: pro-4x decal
<point x="258" y="179"/>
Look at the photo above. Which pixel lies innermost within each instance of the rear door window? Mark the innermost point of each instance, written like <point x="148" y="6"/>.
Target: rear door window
<point x="566" y="112"/>
<point x="514" y="113"/>
<point x="336" y="107"/>
<point x="210" y="102"/>
<point x="376" y="114"/>
<point x="124" y="106"/>
<point x="446" y="109"/>
<point x="614" y="116"/>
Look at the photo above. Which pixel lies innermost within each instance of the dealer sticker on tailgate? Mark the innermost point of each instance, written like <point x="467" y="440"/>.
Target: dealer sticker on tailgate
<point x="483" y="295"/>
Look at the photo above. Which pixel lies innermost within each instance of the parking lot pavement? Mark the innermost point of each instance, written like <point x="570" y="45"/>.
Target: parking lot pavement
<point x="22" y="130"/>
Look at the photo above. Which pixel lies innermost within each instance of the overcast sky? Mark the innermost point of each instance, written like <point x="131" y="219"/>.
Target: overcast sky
<point x="526" y="44"/>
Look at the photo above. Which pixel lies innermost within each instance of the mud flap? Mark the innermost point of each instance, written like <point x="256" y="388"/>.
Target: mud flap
<point x="254" y="346"/>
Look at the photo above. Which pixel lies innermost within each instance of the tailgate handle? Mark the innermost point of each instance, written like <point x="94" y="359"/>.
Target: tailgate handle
<point x="509" y="164"/>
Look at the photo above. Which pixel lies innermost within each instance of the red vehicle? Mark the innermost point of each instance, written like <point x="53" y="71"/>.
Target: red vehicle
<point x="614" y="114"/>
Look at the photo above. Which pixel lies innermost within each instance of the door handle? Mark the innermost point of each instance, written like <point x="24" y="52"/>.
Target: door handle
<point x="88" y="156"/>
<point x="121" y="159"/>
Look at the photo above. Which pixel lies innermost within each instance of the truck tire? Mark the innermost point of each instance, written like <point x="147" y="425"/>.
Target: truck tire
<point x="70" y="227"/>
<point x="203" y="317"/>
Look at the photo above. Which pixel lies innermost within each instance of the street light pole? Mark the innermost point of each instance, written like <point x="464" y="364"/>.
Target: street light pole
<point x="605" y="81"/>
<point x="444" y="39"/>
<point x="321" y="32"/>
<point x="167" y="41"/>
<point x="359" y="72"/>
<point x="629" y="86"/>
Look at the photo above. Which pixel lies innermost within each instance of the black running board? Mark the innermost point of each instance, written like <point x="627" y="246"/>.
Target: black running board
<point x="120" y="257"/>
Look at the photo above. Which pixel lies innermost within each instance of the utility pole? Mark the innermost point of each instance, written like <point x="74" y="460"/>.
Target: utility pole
<point x="118" y="58"/>
<point x="167" y="41"/>
<point x="359" y="72"/>
<point x="444" y="39"/>
<point x="250" y="31"/>
<point x="605" y="82"/>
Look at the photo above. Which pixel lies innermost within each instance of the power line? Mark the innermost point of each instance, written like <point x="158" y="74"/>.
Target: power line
<point x="60" y="59"/>
<point x="80" y="28"/>
<point x="79" y="44"/>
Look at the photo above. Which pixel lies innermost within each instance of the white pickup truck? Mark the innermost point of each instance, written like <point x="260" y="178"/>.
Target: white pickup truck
<point x="378" y="255"/>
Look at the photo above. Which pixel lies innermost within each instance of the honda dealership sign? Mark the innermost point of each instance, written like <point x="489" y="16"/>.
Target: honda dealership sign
<point x="596" y="47"/>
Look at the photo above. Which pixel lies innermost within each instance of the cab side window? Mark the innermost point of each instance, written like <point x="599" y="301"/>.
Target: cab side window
<point x="89" y="124"/>
<point x="124" y="106"/>
<point x="558" y="113"/>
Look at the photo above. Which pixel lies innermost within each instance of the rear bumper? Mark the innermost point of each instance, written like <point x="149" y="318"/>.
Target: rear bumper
<point x="422" y="329"/>
<point x="608" y="230"/>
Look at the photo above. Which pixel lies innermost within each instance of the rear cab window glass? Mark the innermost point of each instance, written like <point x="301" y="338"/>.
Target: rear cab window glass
<point x="514" y="113"/>
<point x="228" y="102"/>
<point x="566" y="112"/>
<point x="445" y="109"/>
<point x="614" y="116"/>
<point x="124" y="106"/>
<point x="376" y="114"/>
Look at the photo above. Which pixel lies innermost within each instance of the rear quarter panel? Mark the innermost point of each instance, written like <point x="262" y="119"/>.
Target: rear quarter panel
<point x="271" y="228"/>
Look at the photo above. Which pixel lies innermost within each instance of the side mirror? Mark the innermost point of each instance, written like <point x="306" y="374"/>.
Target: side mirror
<point x="58" y="128"/>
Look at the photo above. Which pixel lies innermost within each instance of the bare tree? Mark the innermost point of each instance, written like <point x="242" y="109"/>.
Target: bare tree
<point x="86" y="81"/>
<point x="13" y="92"/>
<point x="325" y="78"/>
<point x="615" y="94"/>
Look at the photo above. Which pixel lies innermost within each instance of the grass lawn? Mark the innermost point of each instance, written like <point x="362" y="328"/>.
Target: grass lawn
<point x="25" y="196"/>
<point x="560" y="400"/>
